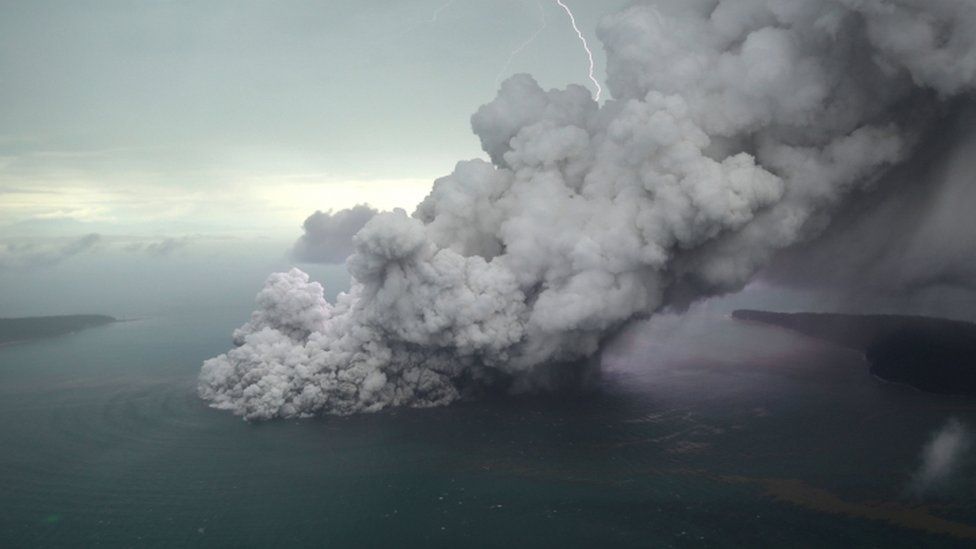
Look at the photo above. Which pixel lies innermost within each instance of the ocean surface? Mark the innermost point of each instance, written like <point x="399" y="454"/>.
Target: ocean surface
<point x="703" y="432"/>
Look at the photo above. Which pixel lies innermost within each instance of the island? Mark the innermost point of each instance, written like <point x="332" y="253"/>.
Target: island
<point x="931" y="354"/>
<point x="24" y="329"/>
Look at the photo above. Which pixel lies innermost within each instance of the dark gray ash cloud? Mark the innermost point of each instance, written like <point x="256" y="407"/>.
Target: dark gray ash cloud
<point x="328" y="236"/>
<point x="736" y="130"/>
<point x="915" y="231"/>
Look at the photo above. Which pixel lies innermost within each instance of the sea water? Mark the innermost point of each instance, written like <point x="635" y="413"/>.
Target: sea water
<point x="702" y="432"/>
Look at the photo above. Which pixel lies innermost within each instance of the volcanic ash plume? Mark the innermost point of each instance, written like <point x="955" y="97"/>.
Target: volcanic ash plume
<point x="736" y="127"/>
<point x="328" y="236"/>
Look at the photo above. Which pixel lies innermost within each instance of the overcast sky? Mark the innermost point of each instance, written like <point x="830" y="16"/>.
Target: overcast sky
<point x="179" y="116"/>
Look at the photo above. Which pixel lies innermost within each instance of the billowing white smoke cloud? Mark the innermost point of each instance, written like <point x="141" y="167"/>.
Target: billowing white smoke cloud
<point x="735" y="128"/>
<point x="941" y="456"/>
<point x="328" y="236"/>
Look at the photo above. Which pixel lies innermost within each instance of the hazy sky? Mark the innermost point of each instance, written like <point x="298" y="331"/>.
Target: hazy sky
<point x="179" y="116"/>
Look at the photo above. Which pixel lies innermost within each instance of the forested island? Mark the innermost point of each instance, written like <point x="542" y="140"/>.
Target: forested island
<point x="25" y="329"/>
<point x="932" y="354"/>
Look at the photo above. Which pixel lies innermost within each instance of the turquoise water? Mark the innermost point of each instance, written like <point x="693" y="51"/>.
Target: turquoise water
<point x="708" y="434"/>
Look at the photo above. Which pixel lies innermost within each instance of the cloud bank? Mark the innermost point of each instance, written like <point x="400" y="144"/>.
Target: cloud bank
<point x="736" y="128"/>
<point x="165" y="247"/>
<point x="30" y="255"/>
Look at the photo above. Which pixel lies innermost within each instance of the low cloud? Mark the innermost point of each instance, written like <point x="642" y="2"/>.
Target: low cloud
<point x="328" y="235"/>
<point x="160" y="248"/>
<point x="23" y="190"/>
<point x="28" y="255"/>
<point x="22" y="253"/>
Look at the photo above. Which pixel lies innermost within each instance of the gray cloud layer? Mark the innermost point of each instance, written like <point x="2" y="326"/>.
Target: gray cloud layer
<point x="736" y="129"/>
<point x="165" y="247"/>
<point x="50" y="251"/>
<point x="29" y="255"/>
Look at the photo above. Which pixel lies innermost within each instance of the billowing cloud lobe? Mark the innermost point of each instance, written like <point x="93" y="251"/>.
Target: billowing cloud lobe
<point x="328" y="236"/>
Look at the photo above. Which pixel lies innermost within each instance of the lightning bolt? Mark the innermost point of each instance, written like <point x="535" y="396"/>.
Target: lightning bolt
<point x="437" y="12"/>
<point x="589" y="54"/>
<point x="523" y="45"/>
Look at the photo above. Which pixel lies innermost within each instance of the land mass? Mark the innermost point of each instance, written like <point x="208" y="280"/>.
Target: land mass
<point x="24" y="329"/>
<point x="932" y="354"/>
